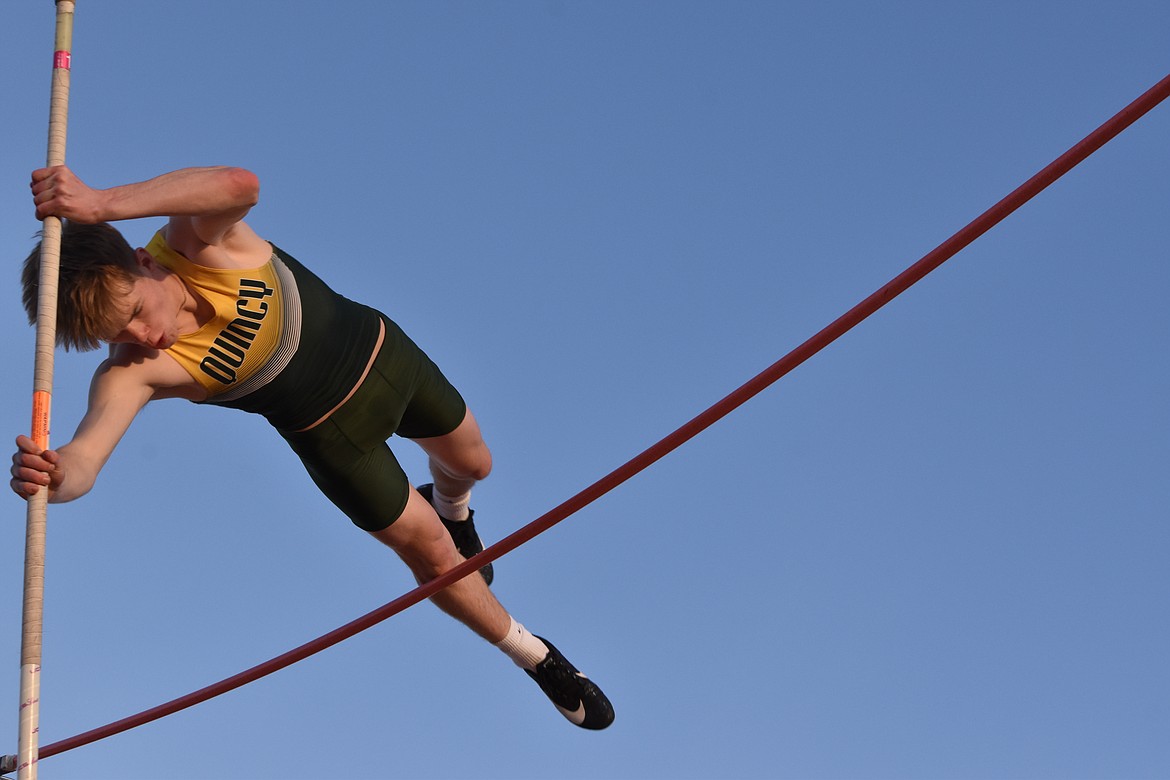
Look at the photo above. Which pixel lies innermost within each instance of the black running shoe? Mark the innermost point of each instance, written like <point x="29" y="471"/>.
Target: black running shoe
<point x="462" y="532"/>
<point x="574" y="694"/>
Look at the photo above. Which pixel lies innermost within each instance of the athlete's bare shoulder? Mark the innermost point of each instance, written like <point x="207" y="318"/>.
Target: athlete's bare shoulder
<point x="238" y="247"/>
<point x="141" y="366"/>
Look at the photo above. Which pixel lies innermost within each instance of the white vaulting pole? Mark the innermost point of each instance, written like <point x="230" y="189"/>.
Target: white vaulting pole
<point x="34" y="548"/>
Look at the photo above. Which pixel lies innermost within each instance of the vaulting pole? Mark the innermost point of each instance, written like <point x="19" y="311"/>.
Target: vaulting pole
<point x="34" y="549"/>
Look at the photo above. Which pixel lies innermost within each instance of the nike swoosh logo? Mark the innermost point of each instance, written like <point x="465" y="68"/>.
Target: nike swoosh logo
<point x="577" y="716"/>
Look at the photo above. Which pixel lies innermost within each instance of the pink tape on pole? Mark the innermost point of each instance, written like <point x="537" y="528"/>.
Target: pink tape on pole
<point x="62" y="60"/>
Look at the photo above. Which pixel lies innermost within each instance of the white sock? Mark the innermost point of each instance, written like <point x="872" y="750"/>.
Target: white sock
<point x="451" y="507"/>
<point x="525" y="650"/>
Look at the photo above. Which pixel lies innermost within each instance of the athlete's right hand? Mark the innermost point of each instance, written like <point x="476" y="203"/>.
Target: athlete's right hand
<point x="34" y="468"/>
<point x="58" y="192"/>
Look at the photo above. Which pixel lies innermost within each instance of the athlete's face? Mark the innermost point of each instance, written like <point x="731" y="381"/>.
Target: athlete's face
<point x="152" y="307"/>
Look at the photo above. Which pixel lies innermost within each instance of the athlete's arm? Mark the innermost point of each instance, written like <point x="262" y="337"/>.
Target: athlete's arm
<point x="121" y="386"/>
<point x="207" y="201"/>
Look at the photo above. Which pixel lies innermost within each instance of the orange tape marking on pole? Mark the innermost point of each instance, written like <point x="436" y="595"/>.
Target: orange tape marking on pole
<point x="42" y="401"/>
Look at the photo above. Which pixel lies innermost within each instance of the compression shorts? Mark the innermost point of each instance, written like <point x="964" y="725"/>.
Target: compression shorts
<point x="346" y="454"/>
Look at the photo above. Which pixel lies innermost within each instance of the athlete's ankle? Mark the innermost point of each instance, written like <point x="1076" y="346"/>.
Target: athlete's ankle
<point x="525" y="649"/>
<point x="454" y="508"/>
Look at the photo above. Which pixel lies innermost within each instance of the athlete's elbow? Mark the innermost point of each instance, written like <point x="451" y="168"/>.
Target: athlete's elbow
<point x="243" y="186"/>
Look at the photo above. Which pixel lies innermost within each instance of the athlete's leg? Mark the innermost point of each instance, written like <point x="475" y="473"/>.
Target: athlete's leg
<point x="420" y="540"/>
<point x="425" y="546"/>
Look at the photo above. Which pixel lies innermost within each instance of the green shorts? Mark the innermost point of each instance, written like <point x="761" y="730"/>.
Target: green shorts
<point x="346" y="455"/>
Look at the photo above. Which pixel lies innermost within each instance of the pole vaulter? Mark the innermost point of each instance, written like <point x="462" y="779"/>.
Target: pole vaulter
<point x="839" y="327"/>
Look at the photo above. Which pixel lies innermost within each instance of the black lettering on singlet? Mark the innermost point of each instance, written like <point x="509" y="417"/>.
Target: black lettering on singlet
<point x="230" y="347"/>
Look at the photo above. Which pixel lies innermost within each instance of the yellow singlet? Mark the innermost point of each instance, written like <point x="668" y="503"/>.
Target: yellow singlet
<point x="240" y="342"/>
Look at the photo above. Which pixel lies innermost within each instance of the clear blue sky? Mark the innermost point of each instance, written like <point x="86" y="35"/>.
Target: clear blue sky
<point x="936" y="550"/>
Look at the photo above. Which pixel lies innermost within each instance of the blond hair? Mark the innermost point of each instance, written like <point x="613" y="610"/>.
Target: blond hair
<point x="98" y="268"/>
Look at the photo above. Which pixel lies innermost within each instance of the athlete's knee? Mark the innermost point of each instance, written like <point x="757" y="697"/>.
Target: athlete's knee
<point x="420" y="541"/>
<point x="473" y="462"/>
<point x="428" y="561"/>
<point x="482" y="463"/>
